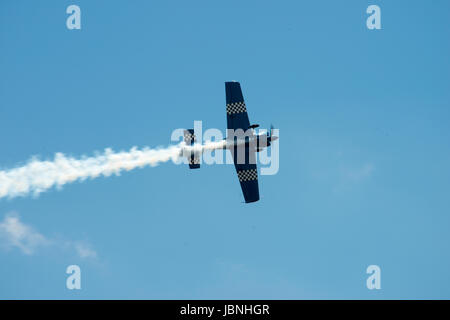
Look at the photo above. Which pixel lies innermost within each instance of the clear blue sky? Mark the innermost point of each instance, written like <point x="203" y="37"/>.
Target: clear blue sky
<point x="364" y="148"/>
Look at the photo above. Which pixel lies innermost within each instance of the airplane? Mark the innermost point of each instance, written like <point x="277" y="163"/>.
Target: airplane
<point x="243" y="143"/>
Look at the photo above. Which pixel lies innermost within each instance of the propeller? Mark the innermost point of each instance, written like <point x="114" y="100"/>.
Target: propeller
<point x="271" y="130"/>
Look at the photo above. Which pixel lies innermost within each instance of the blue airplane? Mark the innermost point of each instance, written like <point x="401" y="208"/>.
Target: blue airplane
<point x="241" y="140"/>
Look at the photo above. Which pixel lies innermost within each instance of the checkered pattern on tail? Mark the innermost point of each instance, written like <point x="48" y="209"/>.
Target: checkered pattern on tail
<point x="194" y="160"/>
<point x="247" y="175"/>
<point x="189" y="137"/>
<point x="236" y="107"/>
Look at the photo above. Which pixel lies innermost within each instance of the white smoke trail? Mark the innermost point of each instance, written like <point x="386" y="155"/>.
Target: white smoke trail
<point x="38" y="176"/>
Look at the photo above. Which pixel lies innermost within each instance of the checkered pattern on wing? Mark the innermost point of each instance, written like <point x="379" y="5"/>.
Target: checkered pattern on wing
<point x="236" y="107"/>
<point x="248" y="175"/>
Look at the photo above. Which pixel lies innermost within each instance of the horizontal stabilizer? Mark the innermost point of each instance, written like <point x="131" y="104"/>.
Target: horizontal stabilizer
<point x="190" y="139"/>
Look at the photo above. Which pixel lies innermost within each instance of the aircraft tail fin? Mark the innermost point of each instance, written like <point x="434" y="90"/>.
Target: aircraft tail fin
<point x="190" y="139"/>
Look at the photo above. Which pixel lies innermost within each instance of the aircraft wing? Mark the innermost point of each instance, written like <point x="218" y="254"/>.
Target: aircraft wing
<point x="248" y="176"/>
<point x="237" y="118"/>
